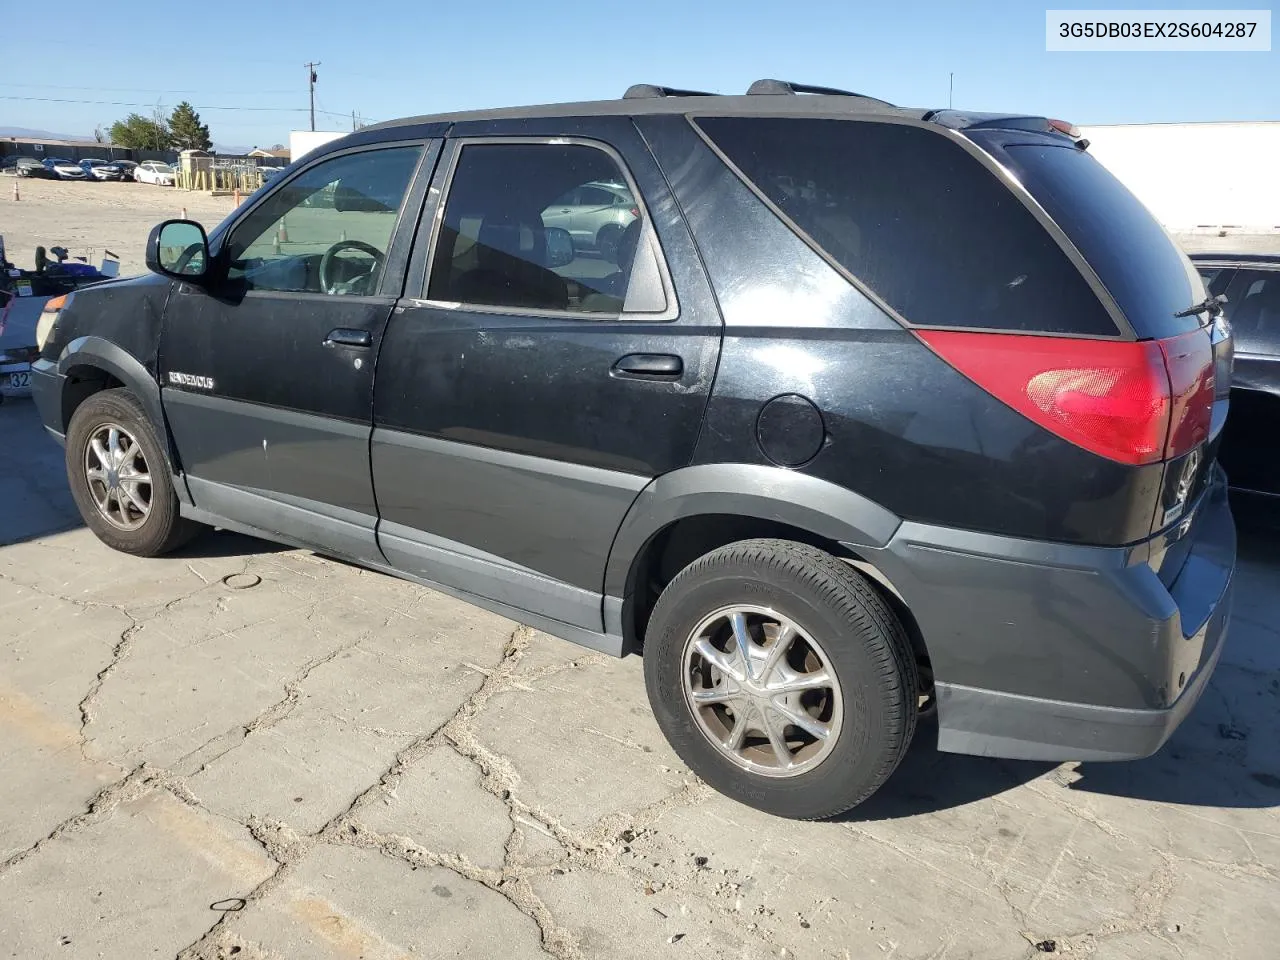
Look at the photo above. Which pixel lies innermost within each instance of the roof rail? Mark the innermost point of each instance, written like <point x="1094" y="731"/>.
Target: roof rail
<point x="644" y="91"/>
<point x="785" y="87"/>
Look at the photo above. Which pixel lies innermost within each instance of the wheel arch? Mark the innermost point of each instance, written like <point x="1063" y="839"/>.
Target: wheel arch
<point x="90" y="364"/>
<point x="690" y="512"/>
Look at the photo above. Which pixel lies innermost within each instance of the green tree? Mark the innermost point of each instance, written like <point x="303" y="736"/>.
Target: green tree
<point x="187" y="130"/>
<point x="140" y="133"/>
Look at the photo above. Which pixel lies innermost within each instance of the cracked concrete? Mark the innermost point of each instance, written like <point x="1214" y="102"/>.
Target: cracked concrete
<point x="251" y="753"/>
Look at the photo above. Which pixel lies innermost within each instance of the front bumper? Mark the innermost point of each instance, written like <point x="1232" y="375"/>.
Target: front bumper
<point x="46" y="391"/>
<point x="1044" y="651"/>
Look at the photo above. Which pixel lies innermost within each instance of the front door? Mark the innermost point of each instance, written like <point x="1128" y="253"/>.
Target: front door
<point x="532" y="387"/>
<point x="267" y="371"/>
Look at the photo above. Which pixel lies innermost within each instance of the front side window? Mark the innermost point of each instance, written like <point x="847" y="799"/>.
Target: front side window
<point x="328" y="229"/>
<point x="535" y="226"/>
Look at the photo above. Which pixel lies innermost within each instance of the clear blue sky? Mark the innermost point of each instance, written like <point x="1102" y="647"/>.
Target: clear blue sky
<point x="386" y="58"/>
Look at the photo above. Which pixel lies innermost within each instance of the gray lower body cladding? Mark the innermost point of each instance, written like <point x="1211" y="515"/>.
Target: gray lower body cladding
<point x="1045" y="651"/>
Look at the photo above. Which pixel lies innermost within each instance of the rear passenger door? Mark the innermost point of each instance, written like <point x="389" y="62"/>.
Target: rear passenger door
<point x="527" y="388"/>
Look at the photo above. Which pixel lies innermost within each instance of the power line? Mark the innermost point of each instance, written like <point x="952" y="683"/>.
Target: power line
<point x="59" y="86"/>
<point x="126" y="103"/>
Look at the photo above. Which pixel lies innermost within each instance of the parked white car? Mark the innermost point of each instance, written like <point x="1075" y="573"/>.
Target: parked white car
<point x="154" y="171"/>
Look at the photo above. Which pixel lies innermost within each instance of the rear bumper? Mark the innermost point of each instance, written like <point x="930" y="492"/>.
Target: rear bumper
<point x="1044" y="651"/>
<point x="988" y="723"/>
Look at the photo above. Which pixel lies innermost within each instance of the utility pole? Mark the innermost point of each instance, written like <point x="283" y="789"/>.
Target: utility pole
<point x="311" y="89"/>
<point x="950" y="90"/>
<point x="353" y="121"/>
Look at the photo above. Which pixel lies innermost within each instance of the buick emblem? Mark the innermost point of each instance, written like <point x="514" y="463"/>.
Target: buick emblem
<point x="1189" y="468"/>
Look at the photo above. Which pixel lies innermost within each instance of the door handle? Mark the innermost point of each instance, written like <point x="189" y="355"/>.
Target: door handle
<point x="347" y="337"/>
<point x="649" y="366"/>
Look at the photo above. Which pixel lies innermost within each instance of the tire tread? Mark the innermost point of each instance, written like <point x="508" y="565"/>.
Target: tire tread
<point x="856" y="602"/>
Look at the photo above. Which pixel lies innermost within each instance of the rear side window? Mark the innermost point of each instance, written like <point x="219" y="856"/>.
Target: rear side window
<point x="529" y="226"/>
<point x="1150" y="278"/>
<point x="917" y="219"/>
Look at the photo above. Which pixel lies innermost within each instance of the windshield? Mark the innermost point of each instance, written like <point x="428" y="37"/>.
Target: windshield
<point x="1137" y="261"/>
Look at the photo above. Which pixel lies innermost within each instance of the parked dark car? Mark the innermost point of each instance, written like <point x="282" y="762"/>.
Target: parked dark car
<point x="127" y="167"/>
<point x="873" y="409"/>
<point x="1251" y="284"/>
<point x="31" y="167"/>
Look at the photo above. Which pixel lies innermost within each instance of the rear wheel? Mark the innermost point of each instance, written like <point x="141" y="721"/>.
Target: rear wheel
<point x="120" y="479"/>
<point x="781" y="677"/>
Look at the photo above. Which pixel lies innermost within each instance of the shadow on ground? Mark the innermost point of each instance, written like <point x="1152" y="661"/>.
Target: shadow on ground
<point x="211" y="544"/>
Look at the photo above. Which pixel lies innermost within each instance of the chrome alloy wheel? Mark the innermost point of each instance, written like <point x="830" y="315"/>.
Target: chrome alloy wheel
<point x="762" y="691"/>
<point x="118" y="476"/>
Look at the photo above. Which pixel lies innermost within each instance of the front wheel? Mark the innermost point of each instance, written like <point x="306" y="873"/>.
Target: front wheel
<point x="782" y="678"/>
<point x="120" y="479"/>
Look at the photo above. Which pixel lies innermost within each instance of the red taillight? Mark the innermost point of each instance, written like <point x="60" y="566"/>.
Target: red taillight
<point x="1109" y="396"/>
<point x="1189" y="360"/>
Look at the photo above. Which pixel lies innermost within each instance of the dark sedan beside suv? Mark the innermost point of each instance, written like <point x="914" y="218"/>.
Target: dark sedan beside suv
<point x="867" y="410"/>
<point x="1251" y="283"/>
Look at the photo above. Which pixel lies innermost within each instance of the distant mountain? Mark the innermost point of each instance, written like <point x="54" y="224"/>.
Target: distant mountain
<point x="29" y="133"/>
<point x="39" y="134"/>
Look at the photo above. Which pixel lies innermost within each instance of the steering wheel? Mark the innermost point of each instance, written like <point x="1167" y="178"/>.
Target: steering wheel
<point x="327" y="284"/>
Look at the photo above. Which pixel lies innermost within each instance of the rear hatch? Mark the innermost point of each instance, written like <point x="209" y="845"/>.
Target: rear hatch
<point x="1153" y="284"/>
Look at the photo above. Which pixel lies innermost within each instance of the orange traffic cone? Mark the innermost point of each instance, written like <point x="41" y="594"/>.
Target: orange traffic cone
<point x="283" y="233"/>
<point x="235" y="196"/>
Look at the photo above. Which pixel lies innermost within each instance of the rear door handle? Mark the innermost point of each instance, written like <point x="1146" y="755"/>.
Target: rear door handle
<point x="347" y="337"/>
<point x="649" y="366"/>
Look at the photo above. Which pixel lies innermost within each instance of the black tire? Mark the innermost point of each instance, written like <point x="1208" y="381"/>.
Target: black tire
<point x="865" y="645"/>
<point x="164" y="528"/>
<point x="607" y="238"/>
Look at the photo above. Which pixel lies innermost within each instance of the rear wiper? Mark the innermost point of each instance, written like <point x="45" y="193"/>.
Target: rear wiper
<point x="1210" y="305"/>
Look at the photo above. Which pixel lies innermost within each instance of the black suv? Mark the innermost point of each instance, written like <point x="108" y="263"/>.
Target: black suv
<point x="866" y="410"/>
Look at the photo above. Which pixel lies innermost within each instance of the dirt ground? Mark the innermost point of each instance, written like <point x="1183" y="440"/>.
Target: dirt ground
<point x="89" y="218"/>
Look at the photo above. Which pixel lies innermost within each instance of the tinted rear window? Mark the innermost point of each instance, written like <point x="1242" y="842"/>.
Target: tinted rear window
<point x="1150" y="278"/>
<point x="917" y="219"/>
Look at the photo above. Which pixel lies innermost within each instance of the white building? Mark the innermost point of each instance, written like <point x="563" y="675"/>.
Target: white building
<point x="1198" y="177"/>
<point x="302" y="142"/>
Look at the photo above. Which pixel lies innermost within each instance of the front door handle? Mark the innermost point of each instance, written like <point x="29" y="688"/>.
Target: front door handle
<point x="347" y="337"/>
<point x="649" y="366"/>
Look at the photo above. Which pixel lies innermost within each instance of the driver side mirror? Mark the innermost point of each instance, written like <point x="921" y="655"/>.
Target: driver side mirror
<point x="560" y="252"/>
<point x="178" y="248"/>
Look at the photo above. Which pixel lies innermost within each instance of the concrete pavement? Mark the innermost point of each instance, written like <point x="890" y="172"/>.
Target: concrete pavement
<point x="253" y="752"/>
